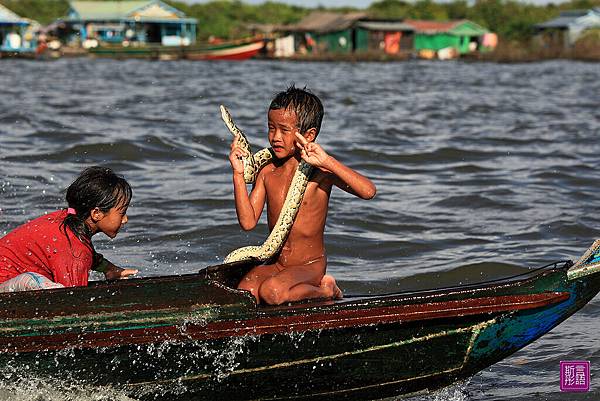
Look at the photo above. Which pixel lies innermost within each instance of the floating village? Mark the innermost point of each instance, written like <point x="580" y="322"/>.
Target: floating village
<point x="153" y="29"/>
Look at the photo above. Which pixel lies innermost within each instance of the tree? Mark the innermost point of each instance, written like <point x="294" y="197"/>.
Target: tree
<point x="389" y="9"/>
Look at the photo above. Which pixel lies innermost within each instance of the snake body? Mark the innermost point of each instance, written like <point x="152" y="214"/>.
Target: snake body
<point x="252" y="165"/>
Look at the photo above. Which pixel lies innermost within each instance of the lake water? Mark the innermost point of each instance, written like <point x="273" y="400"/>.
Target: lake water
<point x="483" y="170"/>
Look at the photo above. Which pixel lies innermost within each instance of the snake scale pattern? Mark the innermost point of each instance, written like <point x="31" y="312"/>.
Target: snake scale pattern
<point x="252" y="165"/>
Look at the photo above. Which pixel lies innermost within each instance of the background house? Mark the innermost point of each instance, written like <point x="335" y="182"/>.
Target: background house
<point x="124" y="22"/>
<point x="325" y="31"/>
<point x="389" y="36"/>
<point x="463" y="36"/>
<point x="568" y="26"/>
<point x="348" y="33"/>
<point x="16" y="33"/>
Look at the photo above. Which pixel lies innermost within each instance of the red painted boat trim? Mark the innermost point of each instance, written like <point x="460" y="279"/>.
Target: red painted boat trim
<point x="301" y="320"/>
<point x="235" y="53"/>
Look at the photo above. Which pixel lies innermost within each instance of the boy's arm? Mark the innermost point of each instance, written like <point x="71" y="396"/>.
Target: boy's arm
<point x="248" y="207"/>
<point x="345" y="177"/>
<point x="350" y="180"/>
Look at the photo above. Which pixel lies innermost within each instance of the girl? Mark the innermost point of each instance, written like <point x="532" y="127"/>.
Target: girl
<point x="56" y="250"/>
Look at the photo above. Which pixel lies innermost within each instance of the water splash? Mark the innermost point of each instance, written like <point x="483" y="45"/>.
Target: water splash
<point x="455" y="392"/>
<point x="27" y="388"/>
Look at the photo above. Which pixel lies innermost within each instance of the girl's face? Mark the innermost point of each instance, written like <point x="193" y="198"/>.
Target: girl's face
<point x="111" y="222"/>
<point x="282" y="129"/>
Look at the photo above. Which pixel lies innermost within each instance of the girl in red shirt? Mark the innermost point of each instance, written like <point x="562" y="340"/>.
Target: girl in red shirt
<point x="56" y="250"/>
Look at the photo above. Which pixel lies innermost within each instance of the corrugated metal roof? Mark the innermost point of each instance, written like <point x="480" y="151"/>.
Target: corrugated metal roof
<point x="468" y="28"/>
<point x="385" y="26"/>
<point x="322" y="22"/>
<point x="106" y="9"/>
<point x="146" y="10"/>
<point x="566" y="19"/>
<point x="422" y="26"/>
<point x="8" y="17"/>
<point x="573" y="13"/>
<point x="560" y="22"/>
<point x="459" y="27"/>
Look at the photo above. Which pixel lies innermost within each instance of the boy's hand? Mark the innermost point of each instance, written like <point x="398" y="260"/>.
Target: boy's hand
<point x="235" y="157"/>
<point x="311" y="152"/>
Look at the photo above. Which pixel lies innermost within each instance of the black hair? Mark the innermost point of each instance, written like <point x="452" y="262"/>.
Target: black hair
<point x="96" y="187"/>
<point x="307" y="106"/>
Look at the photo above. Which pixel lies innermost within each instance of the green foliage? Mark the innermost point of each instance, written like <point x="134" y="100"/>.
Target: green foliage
<point x="43" y="11"/>
<point x="389" y="9"/>
<point x="458" y="9"/>
<point x="229" y="19"/>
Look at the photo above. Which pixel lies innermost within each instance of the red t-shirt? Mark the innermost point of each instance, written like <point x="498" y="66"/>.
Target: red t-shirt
<point x="41" y="246"/>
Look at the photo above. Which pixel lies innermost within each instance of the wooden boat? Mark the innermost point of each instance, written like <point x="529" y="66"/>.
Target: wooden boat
<point x="228" y="51"/>
<point x="233" y="50"/>
<point x="194" y="336"/>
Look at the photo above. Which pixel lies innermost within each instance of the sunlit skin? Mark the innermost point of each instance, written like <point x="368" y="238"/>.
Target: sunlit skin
<point x="299" y="271"/>
<point x="110" y="223"/>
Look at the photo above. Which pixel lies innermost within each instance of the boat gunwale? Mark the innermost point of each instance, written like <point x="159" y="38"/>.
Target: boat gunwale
<point x="425" y="295"/>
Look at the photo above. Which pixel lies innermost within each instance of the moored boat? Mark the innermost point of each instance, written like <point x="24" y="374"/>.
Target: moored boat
<point x="233" y="50"/>
<point x="196" y="335"/>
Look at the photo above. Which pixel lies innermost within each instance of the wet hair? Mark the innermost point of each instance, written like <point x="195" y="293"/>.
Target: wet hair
<point x="307" y="106"/>
<point x="96" y="187"/>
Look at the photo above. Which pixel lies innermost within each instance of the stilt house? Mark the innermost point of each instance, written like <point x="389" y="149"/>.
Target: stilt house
<point x="16" y="33"/>
<point x="125" y="22"/>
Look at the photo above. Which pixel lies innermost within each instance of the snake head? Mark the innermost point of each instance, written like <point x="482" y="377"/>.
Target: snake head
<point x="225" y="114"/>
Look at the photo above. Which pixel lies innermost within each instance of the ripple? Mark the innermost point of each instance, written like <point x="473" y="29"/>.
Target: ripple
<point x="482" y="171"/>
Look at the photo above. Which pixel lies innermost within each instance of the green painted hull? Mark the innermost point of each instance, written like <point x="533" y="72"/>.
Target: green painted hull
<point x="194" y="337"/>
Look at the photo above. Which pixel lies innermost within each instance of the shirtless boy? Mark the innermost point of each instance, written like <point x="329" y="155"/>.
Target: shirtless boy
<point x="298" y="273"/>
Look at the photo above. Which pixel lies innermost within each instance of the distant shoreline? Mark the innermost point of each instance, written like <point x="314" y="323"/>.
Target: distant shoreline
<point x="501" y="56"/>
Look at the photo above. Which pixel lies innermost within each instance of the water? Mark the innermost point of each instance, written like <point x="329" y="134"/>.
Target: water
<point x="482" y="171"/>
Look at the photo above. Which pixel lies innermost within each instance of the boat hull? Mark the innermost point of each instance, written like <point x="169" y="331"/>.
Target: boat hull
<point x="166" y="337"/>
<point x="237" y="53"/>
<point x="239" y="50"/>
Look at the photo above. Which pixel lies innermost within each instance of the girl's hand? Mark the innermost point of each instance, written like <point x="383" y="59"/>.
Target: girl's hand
<point x="311" y="152"/>
<point x="116" y="273"/>
<point x="235" y="157"/>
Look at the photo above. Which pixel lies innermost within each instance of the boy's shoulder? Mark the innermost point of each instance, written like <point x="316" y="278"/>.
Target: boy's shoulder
<point x="267" y="169"/>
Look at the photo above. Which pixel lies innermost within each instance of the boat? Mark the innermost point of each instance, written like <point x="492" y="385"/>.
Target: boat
<point x="231" y="50"/>
<point x="228" y="51"/>
<point x="196" y="336"/>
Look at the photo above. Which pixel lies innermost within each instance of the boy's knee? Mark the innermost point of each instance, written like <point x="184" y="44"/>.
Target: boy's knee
<point x="273" y="293"/>
<point x="249" y="286"/>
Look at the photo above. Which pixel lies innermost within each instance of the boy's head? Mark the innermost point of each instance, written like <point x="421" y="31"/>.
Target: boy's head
<point x="307" y="106"/>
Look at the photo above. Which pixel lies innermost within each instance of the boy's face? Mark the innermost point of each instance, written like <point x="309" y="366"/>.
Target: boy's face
<point x="283" y="125"/>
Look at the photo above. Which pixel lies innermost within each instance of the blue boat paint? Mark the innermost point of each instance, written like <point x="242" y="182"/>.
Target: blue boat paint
<point x="518" y="329"/>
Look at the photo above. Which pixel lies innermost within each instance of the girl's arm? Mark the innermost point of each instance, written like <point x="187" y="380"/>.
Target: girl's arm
<point x="247" y="207"/>
<point x="345" y="177"/>
<point x="111" y="271"/>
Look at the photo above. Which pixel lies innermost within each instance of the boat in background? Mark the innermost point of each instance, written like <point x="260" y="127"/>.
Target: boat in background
<point x="227" y="51"/>
<point x="196" y="336"/>
<point x="231" y="50"/>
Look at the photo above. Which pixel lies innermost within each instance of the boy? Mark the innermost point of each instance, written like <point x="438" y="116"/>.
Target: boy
<point x="294" y="120"/>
